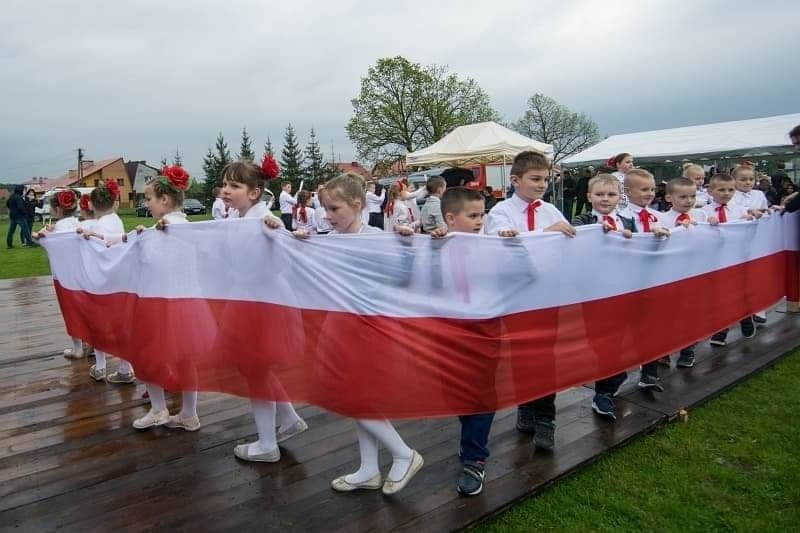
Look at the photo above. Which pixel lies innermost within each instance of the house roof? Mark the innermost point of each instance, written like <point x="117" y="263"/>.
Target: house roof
<point x="71" y="176"/>
<point x="353" y="166"/>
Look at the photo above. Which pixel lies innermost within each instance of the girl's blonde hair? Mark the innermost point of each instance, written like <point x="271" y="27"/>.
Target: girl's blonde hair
<point x="691" y="167"/>
<point x="739" y="168"/>
<point x="348" y="187"/>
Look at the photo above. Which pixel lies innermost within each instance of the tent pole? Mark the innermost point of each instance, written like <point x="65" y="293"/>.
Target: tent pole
<point x="503" y="176"/>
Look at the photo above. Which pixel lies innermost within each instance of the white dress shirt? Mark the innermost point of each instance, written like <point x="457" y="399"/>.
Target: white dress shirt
<point x="66" y="224"/>
<point x="614" y="215"/>
<point x="218" y="210"/>
<point x="702" y="199"/>
<point x="512" y="214"/>
<point x="321" y="222"/>
<point x="633" y="211"/>
<point x="670" y="217"/>
<point x="754" y="199"/>
<point x="297" y="222"/>
<point x="732" y="211"/>
<point x="374" y="201"/>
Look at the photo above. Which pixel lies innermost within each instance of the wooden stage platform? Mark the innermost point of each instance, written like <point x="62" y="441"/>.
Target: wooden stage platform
<point x="70" y="460"/>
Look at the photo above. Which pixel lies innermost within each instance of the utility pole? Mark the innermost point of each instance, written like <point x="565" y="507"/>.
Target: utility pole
<point x="80" y="166"/>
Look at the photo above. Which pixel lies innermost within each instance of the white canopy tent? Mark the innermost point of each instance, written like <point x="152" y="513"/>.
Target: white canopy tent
<point x="760" y="137"/>
<point x="484" y="143"/>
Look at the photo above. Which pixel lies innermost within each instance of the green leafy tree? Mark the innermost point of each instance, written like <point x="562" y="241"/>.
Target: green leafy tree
<point x="548" y="121"/>
<point x="246" y="148"/>
<point x="314" y="159"/>
<point x="403" y="106"/>
<point x="291" y="157"/>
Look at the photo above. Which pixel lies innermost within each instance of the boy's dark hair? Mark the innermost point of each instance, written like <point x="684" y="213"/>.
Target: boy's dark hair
<point x="284" y="183"/>
<point x="528" y="160"/>
<point x="795" y="132"/>
<point x="719" y="177"/>
<point x="679" y="182"/>
<point x="434" y="184"/>
<point x="454" y="199"/>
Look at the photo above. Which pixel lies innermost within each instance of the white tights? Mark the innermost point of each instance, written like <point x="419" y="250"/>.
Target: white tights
<point x="370" y="434"/>
<point x="158" y="401"/>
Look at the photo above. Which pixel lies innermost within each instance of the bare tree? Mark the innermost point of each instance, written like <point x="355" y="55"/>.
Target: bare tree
<point x="548" y="121"/>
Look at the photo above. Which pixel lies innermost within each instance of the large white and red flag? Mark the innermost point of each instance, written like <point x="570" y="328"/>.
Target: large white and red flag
<point x="379" y="325"/>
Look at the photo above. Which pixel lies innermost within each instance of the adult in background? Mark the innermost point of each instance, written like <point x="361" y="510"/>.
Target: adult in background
<point x="792" y="201"/>
<point x="778" y="177"/>
<point x="17" y="217"/>
<point x="570" y="190"/>
<point x="582" y="190"/>
<point x="31" y="203"/>
<point x="488" y="198"/>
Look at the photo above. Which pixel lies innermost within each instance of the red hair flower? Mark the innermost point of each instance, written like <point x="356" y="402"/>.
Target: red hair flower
<point x="66" y="200"/>
<point x="270" y="168"/>
<point x="177" y="177"/>
<point x="84" y="203"/>
<point x="113" y="188"/>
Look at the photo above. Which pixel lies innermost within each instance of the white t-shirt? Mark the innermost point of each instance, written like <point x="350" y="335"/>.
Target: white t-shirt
<point x="400" y="215"/>
<point x="110" y="226"/>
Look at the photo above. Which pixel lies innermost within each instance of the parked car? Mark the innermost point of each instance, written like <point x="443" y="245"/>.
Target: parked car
<point x="192" y="206"/>
<point x="142" y="210"/>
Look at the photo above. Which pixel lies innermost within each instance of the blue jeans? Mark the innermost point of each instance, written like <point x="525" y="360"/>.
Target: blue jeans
<point x="25" y="231"/>
<point x="475" y="436"/>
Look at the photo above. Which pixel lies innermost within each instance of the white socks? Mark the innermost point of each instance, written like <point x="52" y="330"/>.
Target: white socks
<point x="99" y="360"/>
<point x="286" y="416"/>
<point x="77" y="346"/>
<point x="264" y="414"/>
<point x="158" y="402"/>
<point x="368" y="447"/>
<point x="125" y="367"/>
<point x="382" y="431"/>
<point x="188" y="405"/>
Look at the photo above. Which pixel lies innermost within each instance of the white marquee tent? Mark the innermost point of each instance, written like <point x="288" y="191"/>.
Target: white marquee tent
<point x="484" y="143"/>
<point x="760" y="137"/>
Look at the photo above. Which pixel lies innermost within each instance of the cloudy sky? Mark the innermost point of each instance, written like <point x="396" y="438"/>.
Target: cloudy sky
<point x="140" y="79"/>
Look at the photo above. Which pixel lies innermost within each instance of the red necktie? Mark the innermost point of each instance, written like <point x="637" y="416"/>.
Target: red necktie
<point x="610" y="221"/>
<point x="532" y="214"/>
<point x="645" y="218"/>
<point x="721" y="213"/>
<point x="683" y="217"/>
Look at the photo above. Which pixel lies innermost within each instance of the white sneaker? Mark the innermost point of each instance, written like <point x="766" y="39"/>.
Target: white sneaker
<point x="188" y="424"/>
<point x="97" y="375"/>
<point x="152" y="418"/>
<point x="295" y="429"/>
<point x="393" y="487"/>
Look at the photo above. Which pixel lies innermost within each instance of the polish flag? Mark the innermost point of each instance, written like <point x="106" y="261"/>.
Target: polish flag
<point x="379" y="325"/>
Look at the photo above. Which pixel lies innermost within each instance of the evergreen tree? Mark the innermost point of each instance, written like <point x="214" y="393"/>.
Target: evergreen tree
<point x="268" y="148"/>
<point x="246" y="149"/>
<point x="213" y="164"/>
<point x="291" y="157"/>
<point x="164" y="161"/>
<point x="177" y="160"/>
<point x="313" y="155"/>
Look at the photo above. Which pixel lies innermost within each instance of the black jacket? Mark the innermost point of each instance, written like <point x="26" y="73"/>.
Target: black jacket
<point x="16" y="206"/>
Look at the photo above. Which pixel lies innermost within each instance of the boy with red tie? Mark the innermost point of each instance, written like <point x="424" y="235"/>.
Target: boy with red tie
<point x="682" y="194"/>
<point x="721" y="211"/>
<point x="526" y="211"/>
<point x="640" y="187"/>
<point x="604" y="197"/>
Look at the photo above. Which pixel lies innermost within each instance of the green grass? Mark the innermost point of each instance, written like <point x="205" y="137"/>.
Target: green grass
<point x="735" y="466"/>
<point x="24" y="262"/>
